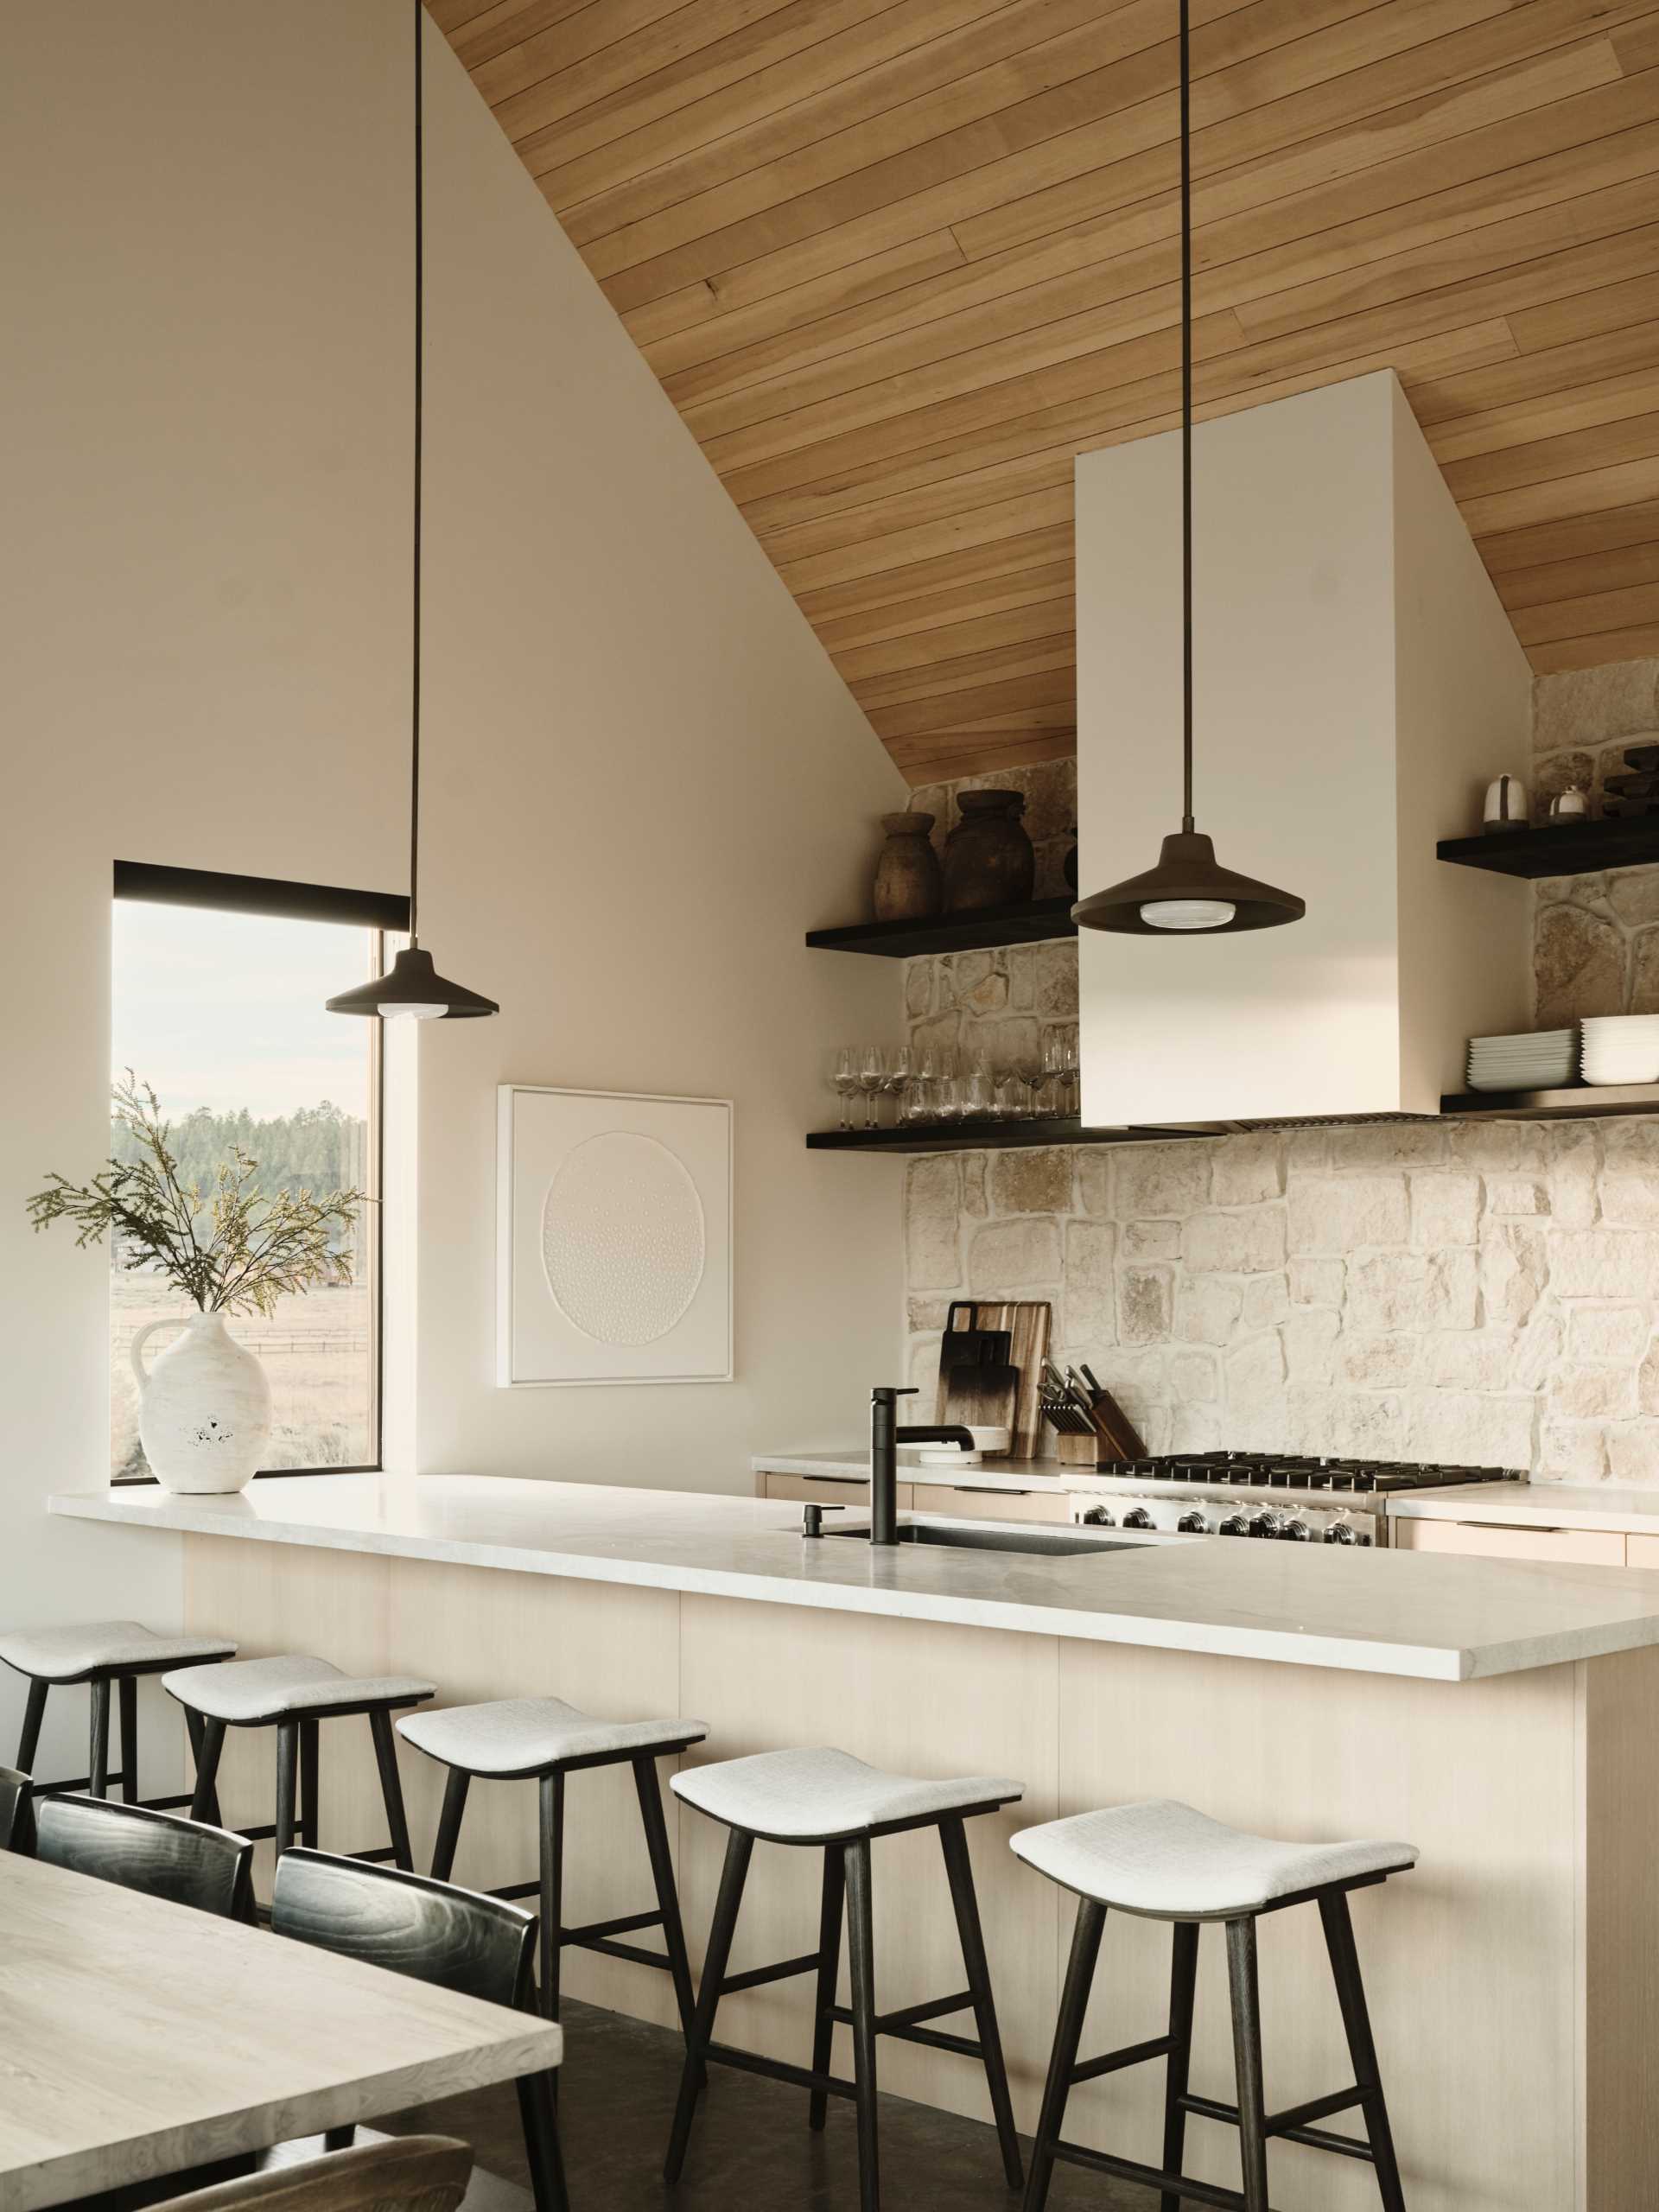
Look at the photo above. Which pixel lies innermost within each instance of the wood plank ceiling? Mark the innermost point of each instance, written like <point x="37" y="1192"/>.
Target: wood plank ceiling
<point x="896" y="261"/>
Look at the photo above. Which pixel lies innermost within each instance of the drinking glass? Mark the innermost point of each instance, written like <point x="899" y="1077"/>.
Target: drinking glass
<point x="872" y="1074"/>
<point x="949" y="1097"/>
<point x="1011" y="1102"/>
<point x="978" y="1091"/>
<point x="846" y="1082"/>
<point x="923" y="1083"/>
<point x="1053" y="1093"/>
<point x="1072" y="1071"/>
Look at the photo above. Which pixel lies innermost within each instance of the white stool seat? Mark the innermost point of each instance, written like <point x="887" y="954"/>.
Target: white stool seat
<point x="273" y="1690"/>
<point x="62" y="1654"/>
<point x="813" y="1796"/>
<point x="1163" y="1858"/>
<point x="527" y="1735"/>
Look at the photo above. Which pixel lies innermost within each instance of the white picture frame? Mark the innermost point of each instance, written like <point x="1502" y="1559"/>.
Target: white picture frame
<point x="613" y="1238"/>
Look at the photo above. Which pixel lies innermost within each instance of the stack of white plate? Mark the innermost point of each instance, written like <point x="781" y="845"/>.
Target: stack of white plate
<point x="1542" y="1061"/>
<point x="1621" y="1048"/>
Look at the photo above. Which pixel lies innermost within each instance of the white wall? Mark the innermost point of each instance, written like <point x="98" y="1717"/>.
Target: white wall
<point x="646" y="780"/>
<point x="1355" y="677"/>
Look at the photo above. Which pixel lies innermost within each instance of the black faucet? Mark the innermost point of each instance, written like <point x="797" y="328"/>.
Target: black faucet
<point x="886" y="1436"/>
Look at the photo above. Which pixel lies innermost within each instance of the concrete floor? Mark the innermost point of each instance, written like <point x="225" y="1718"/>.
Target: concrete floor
<point x="751" y="2147"/>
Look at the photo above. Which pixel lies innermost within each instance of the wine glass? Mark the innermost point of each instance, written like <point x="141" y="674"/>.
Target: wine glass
<point x="846" y="1082"/>
<point x="900" y="1073"/>
<point x="1072" y="1069"/>
<point x="872" y="1074"/>
<point x="1053" y="1103"/>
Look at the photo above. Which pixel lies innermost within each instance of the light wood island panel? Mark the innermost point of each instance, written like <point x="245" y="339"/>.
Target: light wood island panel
<point x="1512" y="1977"/>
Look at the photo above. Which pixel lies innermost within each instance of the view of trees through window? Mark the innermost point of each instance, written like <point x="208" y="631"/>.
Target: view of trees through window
<point x="223" y="1015"/>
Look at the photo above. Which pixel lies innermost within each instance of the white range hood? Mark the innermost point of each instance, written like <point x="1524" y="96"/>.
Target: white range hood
<point x="1356" y="686"/>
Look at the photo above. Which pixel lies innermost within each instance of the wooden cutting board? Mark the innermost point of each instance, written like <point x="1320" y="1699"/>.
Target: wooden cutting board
<point x="1017" y="1407"/>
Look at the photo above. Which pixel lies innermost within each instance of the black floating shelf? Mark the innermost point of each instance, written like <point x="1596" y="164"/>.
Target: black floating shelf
<point x="1028" y="924"/>
<point x="1580" y="1101"/>
<point x="986" y="1136"/>
<point x="1562" y="848"/>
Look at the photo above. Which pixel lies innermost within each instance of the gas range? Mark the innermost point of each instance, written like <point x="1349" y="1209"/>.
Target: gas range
<point x="1283" y="1496"/>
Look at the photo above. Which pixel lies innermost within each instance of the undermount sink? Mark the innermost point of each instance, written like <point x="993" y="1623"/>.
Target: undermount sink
<point x="1054" y="1543"/>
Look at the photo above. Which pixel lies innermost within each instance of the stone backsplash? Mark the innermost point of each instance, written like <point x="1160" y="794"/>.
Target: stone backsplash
<point x="1481" y="1293"/>
<point x="1485" y="1294"/>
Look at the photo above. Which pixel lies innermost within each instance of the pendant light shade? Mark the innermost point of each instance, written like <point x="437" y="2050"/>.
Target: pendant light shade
<point x="415" y="991"/>
<point x="1189" y="893"/>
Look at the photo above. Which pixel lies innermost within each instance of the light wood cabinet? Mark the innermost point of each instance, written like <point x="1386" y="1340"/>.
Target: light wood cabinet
<point x="966" y="1504"/>
<point x="824" y="1489"/>
<point x="1490" y="1539"/>
<point x="1641" y="1551"/>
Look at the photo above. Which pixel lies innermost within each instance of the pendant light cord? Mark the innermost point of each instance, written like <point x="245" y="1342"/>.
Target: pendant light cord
<point x="1186" y="422"/>
<point x="420" y="410"/>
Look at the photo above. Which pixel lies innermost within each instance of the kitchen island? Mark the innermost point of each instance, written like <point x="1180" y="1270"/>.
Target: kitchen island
<point x="1497" y="1717"/>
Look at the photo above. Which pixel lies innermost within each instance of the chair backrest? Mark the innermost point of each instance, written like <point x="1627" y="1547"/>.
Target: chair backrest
<point x="17" y="1828"/>
<point x="478" y="1946"/>
<point x="158" y="1853"/>
<point x="417" y="2173"/>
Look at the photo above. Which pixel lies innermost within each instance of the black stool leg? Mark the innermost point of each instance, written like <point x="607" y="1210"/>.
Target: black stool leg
<point x="960" y="1869"/>
<point x="1247" y="2061"/>
<point x="98" y="1763"/>
<point x="824" y="2034"/>
<point x="1183" y="1978"/>
<point x="861" y="1962"/>
<point x="649" y="1793"/>
<point x="127" y="1692"/>
<point x="192" y="1722"/>
<point x="288" y="1778"/>
<point x="309" y="1773"/>
<point x="539" y="2113"/>
<point x="1351" y="1995"/>
<point x="455" y="1804"/>
<point x="732" y="1875"/>
<point x="28" y="1740"/>
<point x="207" y="1741"/>
<point x="1068" y="2034"/>
<point x="552" y="1896"/>
<point x="391" y="1788"/>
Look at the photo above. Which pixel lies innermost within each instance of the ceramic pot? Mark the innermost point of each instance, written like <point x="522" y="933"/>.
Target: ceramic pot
<point x="908" y="885"/>
<point x="204" y="1407"/>
<point x="989" y="860"/>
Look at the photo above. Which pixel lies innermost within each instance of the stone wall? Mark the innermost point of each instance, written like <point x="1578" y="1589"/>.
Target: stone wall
<point x="1481" y="1293"/>
<point x="1485" y="1294"/>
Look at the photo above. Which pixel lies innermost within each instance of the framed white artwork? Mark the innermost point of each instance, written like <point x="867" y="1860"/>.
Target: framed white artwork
<point x="613" y="1238"/>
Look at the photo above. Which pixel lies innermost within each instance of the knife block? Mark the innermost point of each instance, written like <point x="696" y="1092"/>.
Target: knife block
<point x="1077" y="1451"/>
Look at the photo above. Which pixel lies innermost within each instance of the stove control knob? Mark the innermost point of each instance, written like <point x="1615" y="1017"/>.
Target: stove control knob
<point x="1264" y="1524"/>
<point x="1138" y="1517"/>
<point x="1234" y="1525"/>
<point x="1192" y="1524"/>
<point x="1295" y="1531"/>
<point x="1099" y="1517"/>
<point x="1341" y="1532"/>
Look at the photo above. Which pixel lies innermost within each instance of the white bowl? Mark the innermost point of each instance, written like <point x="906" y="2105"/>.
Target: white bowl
<point x="991" y="1439"/>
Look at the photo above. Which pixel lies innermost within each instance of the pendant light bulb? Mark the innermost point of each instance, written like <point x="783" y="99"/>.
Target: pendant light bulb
<point x="1189" y="890"/>
<point x="413" y="991"/>
<point x="1188" y="913"/>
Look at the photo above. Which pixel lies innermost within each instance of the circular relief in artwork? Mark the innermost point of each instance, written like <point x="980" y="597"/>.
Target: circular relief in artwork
<point x="623" y="1241"/>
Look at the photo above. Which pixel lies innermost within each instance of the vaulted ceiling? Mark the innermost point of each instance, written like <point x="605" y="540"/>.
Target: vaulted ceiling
<point x="897" y="261"/>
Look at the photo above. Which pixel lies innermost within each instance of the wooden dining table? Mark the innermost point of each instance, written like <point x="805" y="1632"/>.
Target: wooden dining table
<point x="140" y="2039"/>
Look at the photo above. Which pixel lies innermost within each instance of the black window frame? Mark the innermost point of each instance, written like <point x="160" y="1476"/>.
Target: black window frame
<point x="387" y="914"/>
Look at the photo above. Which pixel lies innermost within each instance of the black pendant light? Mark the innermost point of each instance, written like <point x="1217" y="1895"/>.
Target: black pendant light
<point x="1189" y="893"/>
<point x="415" y="990"/>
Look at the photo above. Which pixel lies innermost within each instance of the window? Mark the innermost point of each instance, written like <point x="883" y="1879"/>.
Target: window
<point x="221" y="1012"/>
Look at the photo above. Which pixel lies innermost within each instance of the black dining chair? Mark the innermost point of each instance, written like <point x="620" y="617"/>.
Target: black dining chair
<point x="16" y="1823"/>
<point x="159" y="1853"/>
<point x="417" y="2173"/>
<point x="477" y="1946"/>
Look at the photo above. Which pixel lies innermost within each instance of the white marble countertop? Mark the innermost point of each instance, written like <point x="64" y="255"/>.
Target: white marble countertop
<point x="990" y="1474"/>
<point x="1535" y="1505"/>
<point x="1389" y="1612"/>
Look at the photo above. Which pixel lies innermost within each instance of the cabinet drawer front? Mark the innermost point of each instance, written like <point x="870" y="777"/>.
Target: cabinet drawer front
<point x="1475" y="1540"/>
<point x="990" y="1505"/>
<point x="1641" y="1551"/>
<point x="821" y="1489"/>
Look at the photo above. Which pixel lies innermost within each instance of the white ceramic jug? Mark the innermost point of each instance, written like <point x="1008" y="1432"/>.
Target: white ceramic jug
<point x="204" y="1408"/>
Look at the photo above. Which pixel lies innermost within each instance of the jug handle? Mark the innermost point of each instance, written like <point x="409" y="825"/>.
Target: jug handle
<point x="166" y="1321"/>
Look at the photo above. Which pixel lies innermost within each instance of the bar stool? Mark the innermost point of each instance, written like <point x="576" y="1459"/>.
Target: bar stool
<point x="292" y="1693"/>
<point x="829" y="1800"/>
<point x="99" y="1653"/>
<point x="522" y="1738"/>
<point x="1162" y="1860"/>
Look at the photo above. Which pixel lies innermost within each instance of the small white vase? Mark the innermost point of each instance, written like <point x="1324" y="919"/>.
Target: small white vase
<point x="204" y="1407"/>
